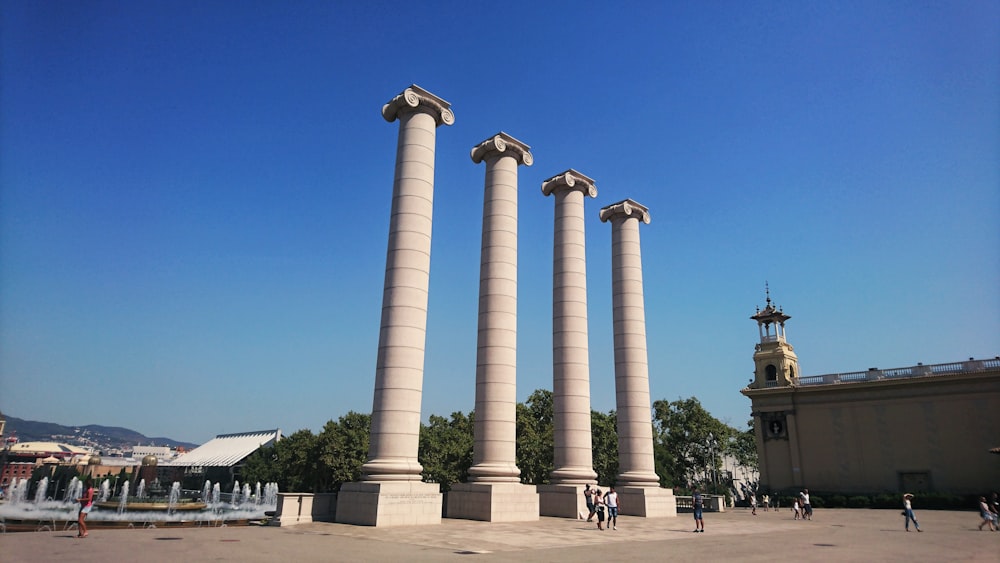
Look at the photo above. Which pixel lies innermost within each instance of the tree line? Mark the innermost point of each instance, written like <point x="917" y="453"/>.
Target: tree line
<point x="688" y="447"/>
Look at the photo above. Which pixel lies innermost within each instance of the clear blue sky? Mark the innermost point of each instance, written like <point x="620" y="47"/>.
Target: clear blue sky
<point x="194" y="196"/>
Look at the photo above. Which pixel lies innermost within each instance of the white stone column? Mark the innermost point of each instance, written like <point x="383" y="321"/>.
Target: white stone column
<point x="570" y="348"/>
<point x="494" y="455"/>
<point x="573" y="459"/>
<point x="637" y="482"/>
<point x="494" y="492"/>
<point x="391" y="491"/>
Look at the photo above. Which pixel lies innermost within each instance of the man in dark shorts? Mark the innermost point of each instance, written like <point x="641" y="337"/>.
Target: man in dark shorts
<point x="588" y="495"/>
<point x="698" y="503"/>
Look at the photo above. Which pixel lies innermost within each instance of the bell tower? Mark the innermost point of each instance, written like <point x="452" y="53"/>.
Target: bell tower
<point x="775" y="362"/>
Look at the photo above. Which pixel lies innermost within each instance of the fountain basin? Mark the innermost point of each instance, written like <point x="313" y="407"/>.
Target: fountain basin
<point x="11" y="525"/>
<point x="153" y="506"/>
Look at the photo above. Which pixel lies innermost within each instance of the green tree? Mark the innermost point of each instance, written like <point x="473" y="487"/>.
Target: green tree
<point x="261" y="466"/>
<point x="535" y="436"/>
<point x="341" y="450"/>
<point x="446" y="449"/>
<point x="291" y="462"/>
<point x="742" y="446"/>
<point x="604" y="436"/>
<point x="688" y="441"/>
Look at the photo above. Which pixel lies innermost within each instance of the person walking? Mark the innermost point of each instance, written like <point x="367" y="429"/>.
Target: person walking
<point x="766" y="501"/>
<point x="986" y="515"/>
<point x="611" y="500"/>
<point x="599" y="507"/>
<point x="753" y="504"/>
<point x="698" y="503"/>
<point x="807" y="509"/>
<point x="796" y="508"/>
<point x="588" y="497"/>
<point x="86" y="504"/>
<point x="908" y="513"/>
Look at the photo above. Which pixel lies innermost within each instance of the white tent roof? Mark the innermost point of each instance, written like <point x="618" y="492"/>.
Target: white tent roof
<point x="226" y="450"/>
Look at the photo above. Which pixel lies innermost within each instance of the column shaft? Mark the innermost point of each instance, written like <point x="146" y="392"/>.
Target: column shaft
<point x="573" y="456"/>
<point x="635" y="432"/>
<point x="395" y="429"/>
<point x="494" y="454"/>
<point x="495" y="432"/>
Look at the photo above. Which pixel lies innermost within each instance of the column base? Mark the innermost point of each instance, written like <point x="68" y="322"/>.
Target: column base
<point x="647" y="502"/>
<point x="492" y="502"/>
<point x="563" y="501"/>
<point x="403" y="503"/>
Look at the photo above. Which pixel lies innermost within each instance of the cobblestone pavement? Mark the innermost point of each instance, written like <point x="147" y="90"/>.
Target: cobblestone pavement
<point x="832" y="535"/>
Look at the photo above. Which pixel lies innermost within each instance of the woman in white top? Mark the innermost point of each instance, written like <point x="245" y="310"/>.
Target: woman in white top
<point x="599" y="505"/>
<point x="908" y="513"/>
<point x="987" y="516"/>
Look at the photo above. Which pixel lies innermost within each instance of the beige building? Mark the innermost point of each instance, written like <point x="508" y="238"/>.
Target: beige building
<point x="919" y="429"/>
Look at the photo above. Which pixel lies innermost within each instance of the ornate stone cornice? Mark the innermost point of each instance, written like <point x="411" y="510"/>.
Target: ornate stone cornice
<point x="416" y="98"/>
<point x="502" y="143"/>
<point x="625" y="207"/>
<point x="570" y="179"/>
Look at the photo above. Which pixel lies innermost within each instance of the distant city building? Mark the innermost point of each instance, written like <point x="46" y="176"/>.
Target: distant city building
<point x="221" y="457"/>
<point x="32" y="451"/>
<point x="918" y="429"/>
<point x="21" y="458"/>
<point x="161" y="453"/>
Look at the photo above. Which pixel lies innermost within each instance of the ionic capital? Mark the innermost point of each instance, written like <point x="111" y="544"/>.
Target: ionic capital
<point x="627" y="207"/>
<point x="570" y="179"/>
<point x="502" y="144"/>
<point x="415" y="99"/>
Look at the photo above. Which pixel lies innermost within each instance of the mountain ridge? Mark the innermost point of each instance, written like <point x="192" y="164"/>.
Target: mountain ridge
<point x="102" y="438"/>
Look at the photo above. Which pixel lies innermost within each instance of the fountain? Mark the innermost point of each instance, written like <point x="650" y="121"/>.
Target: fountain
<point x="153" y="506"/>
<point x="105" y="493"/>
<point x="155" y="501"/>
<point x="43" y="487"/>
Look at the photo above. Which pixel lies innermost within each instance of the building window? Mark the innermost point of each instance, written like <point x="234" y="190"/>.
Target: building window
<point x="771" y="372"/>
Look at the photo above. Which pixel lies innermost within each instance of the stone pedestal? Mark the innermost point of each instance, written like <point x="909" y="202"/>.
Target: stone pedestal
<point x="562" y="501"/>
<point x="304" y="508"/>
<point x="396" y="503"/>
<point x="493" y="502"/>
<point x="648" y="502"/>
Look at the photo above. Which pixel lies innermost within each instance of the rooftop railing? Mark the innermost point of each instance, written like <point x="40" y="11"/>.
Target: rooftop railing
<point x="919" y="370"/>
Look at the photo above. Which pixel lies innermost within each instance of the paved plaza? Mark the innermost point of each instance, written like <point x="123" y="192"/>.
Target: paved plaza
<point x="832" y="535"/>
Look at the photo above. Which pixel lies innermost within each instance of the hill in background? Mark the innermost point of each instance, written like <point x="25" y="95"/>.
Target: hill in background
<point x="105" y="439"/>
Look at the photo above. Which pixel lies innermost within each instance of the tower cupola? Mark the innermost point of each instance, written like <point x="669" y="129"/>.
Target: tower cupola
<point x="768" y="318"/>
<point x="775" y="362"/>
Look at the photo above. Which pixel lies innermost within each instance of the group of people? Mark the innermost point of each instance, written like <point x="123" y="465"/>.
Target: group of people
<point x="989" y="511"/>
<point x="802" y="507"/>
<point x="597" y="501"/>
<point x="765" y="503"/>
